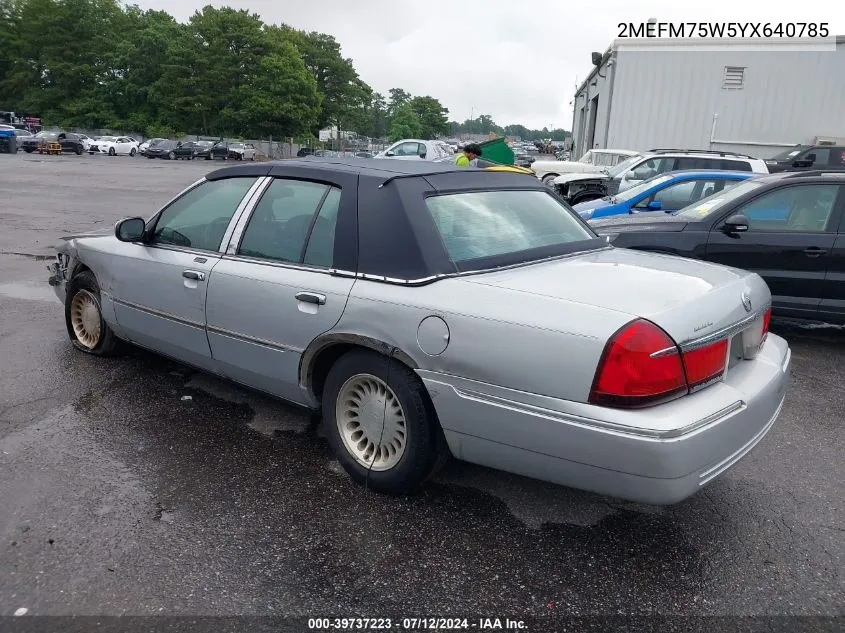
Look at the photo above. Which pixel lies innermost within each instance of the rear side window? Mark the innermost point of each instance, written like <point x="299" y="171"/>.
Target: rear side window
<point x="735" y="165"/>
<point x="477" y="225"/>
<point x="284" y="218"/>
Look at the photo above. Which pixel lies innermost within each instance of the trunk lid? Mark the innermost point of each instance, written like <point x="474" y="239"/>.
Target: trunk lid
<point x="689" y="299"/>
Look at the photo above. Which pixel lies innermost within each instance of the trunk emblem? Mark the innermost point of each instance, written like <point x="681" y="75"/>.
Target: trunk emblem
<point x="746" y="302"/>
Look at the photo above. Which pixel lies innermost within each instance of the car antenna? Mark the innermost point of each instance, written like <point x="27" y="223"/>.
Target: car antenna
<point x="383" y="417"/>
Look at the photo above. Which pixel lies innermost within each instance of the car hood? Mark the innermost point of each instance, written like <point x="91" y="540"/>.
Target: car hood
<point x="650" y="221"/>
<point x="565" y="166"/>
<point x="560" y="180"/>
<point x="687" y="298"/>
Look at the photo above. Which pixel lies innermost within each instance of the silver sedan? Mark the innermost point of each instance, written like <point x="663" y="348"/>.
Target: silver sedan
<point x="430" y="311"/>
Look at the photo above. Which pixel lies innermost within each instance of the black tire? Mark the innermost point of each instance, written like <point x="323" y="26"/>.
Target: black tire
<point x="78" y="151"/>
<point x="28" y="150"/>
<point x="171" y="156"/>
<point x="112" y="152"/>
<point x="208" y="157"/>
<point x="151" y="157"/>
<point x="425" y="450"/>
<point x="107" y="344"/>
<point x="132" y="152"/>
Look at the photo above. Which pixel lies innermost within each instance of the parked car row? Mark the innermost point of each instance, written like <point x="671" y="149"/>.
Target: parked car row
<point x="207" y="150"/>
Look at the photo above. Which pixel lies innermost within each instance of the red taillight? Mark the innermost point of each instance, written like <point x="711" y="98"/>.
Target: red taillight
<point x="640" y="365"/>
<point x="766" y="318"/>
<point x="705" y="363"/>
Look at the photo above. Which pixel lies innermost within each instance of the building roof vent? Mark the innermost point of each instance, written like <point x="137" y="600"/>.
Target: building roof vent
<point x="734" y="78"/>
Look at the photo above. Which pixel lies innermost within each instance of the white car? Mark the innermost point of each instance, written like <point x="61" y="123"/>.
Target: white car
<point x="414" y="149"/>
<point x="593" y="162"/>
<point x="113" y="145"/>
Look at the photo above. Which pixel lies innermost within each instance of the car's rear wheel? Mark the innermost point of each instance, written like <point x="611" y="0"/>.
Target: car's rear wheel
<point x="379" y="424"/>
<point x="84" y="319"/>
<point x="171" y="156"/>
<point x="78" y="151"/>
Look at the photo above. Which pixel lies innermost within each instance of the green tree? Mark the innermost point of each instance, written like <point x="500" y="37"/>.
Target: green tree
<point x="431" y="115"/>
<point x="283" y="100"/>
<point x="405" y="124"/>
<point x="398" y="97"/>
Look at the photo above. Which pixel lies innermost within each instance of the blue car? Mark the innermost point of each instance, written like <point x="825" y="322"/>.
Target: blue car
<point x="666" y="192"/>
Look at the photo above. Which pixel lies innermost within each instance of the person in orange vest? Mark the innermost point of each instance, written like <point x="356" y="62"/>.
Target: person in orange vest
<point x="468" y="157"/>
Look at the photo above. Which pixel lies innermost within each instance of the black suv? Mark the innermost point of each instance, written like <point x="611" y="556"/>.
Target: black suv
<point x="789" y="228"/>
<point x="831" y="157"/>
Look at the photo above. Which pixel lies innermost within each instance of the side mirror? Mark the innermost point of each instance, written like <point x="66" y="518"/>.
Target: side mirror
<point x="737" y="223"/>
<point x="130" y="229"/>
<point x="422" y="154"/>
<point x="810" y="158"/>
<point x="389" y="154"/>
<point x="655" y="205"/>
<point x="637" y="174"/>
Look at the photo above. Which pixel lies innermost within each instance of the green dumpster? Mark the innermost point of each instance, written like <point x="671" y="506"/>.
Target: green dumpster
<point x="497" y="151"/>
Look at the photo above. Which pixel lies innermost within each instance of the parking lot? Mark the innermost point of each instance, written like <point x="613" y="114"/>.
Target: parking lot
<point x="138" y="486"/>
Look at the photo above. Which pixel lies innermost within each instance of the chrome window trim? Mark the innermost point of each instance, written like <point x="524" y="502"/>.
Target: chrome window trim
<point x="287" y="265"/>
<point x="185" y="249"/>
<point x="159" y="313"/>
<point x="239" y="211"/>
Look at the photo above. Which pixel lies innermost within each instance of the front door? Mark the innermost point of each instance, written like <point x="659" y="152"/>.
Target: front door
<point x="159" y="287"/>
<point x="274" y="292"/>
<point x="788" y="243"/>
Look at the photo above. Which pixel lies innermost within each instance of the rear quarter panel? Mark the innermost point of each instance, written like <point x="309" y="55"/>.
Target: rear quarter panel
<point x="535" y="344"/>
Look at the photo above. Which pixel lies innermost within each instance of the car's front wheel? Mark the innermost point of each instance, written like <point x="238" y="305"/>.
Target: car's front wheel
<point x="549" y="180"/>
<point x="84" y="319"/>
<point x="112" y="152"/>
<point x="171" y="156"/>
<point x="379" y="424"/>
<point x="132" y="152"/>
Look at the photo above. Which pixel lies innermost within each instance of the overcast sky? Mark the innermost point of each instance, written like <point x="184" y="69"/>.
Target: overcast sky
<point x="516" y="61"/>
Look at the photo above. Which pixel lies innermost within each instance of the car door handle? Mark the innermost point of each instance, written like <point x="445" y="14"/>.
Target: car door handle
<point x="311" y="297"/>
<point x="814" y="251"/>
<point x="193" y="274"/>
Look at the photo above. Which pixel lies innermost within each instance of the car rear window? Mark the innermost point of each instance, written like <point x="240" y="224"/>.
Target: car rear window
<point x="477" y="225"/>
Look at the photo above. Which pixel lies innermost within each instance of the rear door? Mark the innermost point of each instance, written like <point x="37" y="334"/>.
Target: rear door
<point x="276" y="289"/>
<point x="789" y="242"/>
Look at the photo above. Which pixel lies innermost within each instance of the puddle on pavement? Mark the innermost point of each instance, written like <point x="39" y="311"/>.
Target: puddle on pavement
<point x="29" y="292"/>
<point x="268" y="416"/>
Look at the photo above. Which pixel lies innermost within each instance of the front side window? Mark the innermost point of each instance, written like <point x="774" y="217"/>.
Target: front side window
<point x="408" y="149"/>
<point x="200" y="217"/>
<point x="801" y="208"/>
<point x="587" y="158"/>
<point x="477" y="225"/>
<point x="284" y="218"/>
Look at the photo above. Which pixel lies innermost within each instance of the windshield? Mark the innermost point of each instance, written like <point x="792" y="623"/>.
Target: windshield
<point x="710" y="205"/>
<point x="107" y="138"/>
<point x="46" y="135"/>
<point x="644" y="186"/>
<point x="790" y="153"/>
<point x="624" y="166"/>
<point x="586" y="158"/>
<point x="477" y="225"/>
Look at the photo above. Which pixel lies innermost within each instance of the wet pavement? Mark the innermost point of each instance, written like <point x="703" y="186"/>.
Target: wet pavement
<point x="138" y="486"/>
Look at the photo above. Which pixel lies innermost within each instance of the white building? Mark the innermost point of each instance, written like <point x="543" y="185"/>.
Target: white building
<point x="755" y="97"/>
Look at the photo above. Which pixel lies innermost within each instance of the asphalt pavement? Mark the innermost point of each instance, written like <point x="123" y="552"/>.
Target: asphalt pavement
<point x="137" y="486"/>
